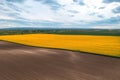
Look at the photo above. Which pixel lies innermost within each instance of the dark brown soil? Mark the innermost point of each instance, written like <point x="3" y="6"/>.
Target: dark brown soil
<point x="19" y="62"/>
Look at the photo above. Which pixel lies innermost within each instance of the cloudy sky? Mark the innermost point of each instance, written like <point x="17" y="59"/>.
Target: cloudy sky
<point x="60" y="13"/>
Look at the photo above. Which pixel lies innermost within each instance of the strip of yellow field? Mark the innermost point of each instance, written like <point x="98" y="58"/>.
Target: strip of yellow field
<point x="106" y="45"/>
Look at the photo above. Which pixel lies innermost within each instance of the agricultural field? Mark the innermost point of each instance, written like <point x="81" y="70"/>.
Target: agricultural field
<point x="101" y="32"/>
<point x="60" y="40"/>
<point x="104" y="45"/>
<point x="20" y="62"/>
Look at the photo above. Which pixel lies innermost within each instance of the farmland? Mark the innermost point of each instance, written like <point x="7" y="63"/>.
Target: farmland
<point x="103" y="32"/>
<point x="59" y="55"/>
<point x="105" y="45"/>
<point x="19" y="62"/>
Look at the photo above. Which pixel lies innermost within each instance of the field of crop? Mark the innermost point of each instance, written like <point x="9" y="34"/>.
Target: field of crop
<point x="106" y="45"/>
<point x="104" y="32"/>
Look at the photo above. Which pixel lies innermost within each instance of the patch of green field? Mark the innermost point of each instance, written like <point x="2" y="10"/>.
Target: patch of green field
<point x="64" y="31"/>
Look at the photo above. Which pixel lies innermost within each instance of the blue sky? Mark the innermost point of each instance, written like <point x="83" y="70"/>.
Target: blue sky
<point x="104" y="14"/>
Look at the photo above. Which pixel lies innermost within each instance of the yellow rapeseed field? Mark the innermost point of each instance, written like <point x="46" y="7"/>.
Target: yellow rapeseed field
<point x="106" y="45"/>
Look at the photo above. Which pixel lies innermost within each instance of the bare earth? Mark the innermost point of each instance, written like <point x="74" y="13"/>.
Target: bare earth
<point x="19" y="62"/>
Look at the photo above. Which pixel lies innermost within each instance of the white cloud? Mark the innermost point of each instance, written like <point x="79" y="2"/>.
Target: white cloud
<point x="6" y="17"/>
<point x="37" y="11"/>
<point x="106" y="27"/>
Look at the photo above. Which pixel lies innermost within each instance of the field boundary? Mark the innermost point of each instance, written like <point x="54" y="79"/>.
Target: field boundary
<point x="64" y="49"/>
